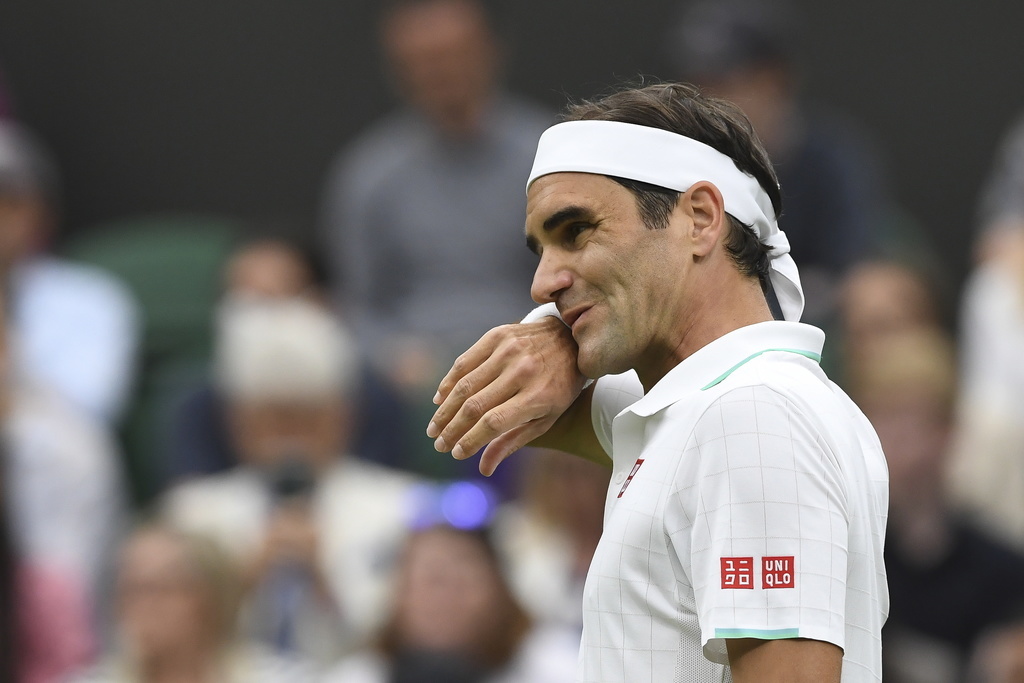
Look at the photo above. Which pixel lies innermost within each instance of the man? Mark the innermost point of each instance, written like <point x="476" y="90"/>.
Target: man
<point x="988" y="476"/>
<point x="745" y="520"/>
<point x="431" y="192"/>
<point x="316" y="529"/>
<point x="747" y="52"/>
<point x="420" y="211"/>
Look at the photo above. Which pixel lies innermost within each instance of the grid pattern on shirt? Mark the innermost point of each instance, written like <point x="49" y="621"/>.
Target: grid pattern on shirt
<point x="767" y="464"/>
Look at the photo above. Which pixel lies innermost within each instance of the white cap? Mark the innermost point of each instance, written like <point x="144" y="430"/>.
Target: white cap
<point x="283" y="350"/>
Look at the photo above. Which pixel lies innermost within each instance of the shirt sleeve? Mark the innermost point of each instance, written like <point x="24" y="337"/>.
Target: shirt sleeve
<point x="758" y="520"/>
<point x="612" y="395"/>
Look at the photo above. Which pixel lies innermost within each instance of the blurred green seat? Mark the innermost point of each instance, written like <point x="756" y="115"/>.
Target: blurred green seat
<point x="173" y="264"/>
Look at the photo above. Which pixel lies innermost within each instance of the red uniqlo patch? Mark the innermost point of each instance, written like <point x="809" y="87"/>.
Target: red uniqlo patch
<point x="636" y="466"/>
<point x="778" y="572"/>
<point x="738" y="572"/>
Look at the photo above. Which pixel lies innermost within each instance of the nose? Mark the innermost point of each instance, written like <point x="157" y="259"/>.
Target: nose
<point x="550" y="279"/>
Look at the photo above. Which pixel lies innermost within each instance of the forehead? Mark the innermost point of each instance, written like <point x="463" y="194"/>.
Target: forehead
<point x="554" y="193"/>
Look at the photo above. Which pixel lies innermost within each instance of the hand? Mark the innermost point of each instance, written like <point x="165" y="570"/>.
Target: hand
<point x="291" y="537"/>
<point x="508" y="389"/>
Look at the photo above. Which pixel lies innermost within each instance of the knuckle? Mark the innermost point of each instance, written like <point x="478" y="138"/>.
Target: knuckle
<point x="495" y="421"/>
<point x="473" y="408"/>
<point x="462" y="389"/>
<point x="528" y="367"/>
<point x="496" y="335"/>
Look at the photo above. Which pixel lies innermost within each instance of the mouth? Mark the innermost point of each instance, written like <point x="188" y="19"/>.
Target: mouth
<point x="572" y="316"/>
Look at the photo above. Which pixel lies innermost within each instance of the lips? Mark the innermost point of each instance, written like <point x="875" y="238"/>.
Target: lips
<point x="571" y="316"/>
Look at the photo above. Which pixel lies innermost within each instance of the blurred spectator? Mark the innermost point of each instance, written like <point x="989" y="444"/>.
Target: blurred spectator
<point x="1001" y="219"/>
<point x="65" y="490"/>
<point x="177" y="602"/>
<point x="456" y="620"/>
<point x="1000" y="657"/>
<point x="988" y="467"/>
<point x="45" y="625"/>
<point x="76" y="325"/>
<point x="746" y="51"/>
<point x="879" y="298"/>
<point x="273" y="269"/>
<point x="423" y="213"/>
<point x="548" y="539"/>
<point x="948" y="582"/>
<point x="316" y="528"/>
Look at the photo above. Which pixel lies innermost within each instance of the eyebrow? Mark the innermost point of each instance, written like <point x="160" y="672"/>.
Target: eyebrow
<point x="557" y="219"/>
<point x="569" y="213"/>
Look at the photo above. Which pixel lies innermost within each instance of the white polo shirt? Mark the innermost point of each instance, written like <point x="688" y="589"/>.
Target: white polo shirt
<point x="748" y="500"/>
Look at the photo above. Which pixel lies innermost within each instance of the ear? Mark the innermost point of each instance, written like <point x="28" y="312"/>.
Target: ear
<point x="705" y="208"/>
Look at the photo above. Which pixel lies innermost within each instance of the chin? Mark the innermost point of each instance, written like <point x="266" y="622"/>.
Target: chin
<point x="594" y="364"/>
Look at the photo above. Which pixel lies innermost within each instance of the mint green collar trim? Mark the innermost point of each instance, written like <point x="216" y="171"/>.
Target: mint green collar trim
<point x="816" y="357"/>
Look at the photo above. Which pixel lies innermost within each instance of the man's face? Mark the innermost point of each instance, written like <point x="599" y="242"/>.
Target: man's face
<point x="267" y="433"/>
<point x="444" y="57"/>
<point x="617" y="284"/>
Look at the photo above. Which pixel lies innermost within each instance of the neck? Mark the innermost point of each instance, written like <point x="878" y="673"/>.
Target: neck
<point x="463" y="122"/>
<point x="724" y="305"/>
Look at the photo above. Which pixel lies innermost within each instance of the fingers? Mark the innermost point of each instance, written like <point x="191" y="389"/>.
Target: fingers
<point x="473" y="358"/>
<point x="509" y="388"/>
<point x="469" y="387"/>
<point x="510" y="442"/>
<point x="485" y="415"/>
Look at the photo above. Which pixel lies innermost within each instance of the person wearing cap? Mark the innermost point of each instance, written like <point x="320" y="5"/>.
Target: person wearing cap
<point x="745" y="518"/>
<point x="315" y="528"/>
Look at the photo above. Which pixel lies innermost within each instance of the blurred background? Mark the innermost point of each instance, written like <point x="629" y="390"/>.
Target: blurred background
<point x="240" y="244"/>
<point x="237" y="110"/>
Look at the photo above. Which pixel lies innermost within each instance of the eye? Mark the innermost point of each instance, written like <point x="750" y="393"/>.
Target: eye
<point x="574" y="230"/>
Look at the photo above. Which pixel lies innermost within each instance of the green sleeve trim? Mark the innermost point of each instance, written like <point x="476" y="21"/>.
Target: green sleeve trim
<point x="770" y="634"/>
<point x="816" y="357"/>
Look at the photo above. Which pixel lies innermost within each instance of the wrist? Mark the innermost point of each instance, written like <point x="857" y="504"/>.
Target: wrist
<point x="548" y="310"/>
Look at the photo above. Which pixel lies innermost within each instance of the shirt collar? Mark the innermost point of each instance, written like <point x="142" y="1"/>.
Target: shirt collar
<point x="714" y="362"/>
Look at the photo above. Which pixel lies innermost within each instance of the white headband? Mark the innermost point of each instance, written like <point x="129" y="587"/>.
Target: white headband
<point x="662" y="158"/>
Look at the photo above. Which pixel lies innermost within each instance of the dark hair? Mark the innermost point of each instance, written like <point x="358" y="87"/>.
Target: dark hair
<point x="682" y="108"/>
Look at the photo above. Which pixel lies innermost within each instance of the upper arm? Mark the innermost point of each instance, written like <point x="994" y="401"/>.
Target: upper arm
<point x="795" y="660"/>
<point x="759" y="522"/>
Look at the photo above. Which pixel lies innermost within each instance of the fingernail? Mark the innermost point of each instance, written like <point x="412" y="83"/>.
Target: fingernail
<point x="432" y="429"/>
<point x="437" y="398"/>
<point x="440" y="446"/>
<point x="457" y="452"/>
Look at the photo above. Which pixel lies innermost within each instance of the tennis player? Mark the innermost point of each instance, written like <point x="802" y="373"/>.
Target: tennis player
<point x="745" y="518"/>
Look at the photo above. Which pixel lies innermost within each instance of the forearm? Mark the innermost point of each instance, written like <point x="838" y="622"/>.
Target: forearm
<point x="573" y="432"/>
<point x="794" y="660"/>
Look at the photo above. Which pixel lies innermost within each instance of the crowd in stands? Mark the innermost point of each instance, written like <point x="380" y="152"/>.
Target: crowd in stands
<point x="282" y="516"/>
